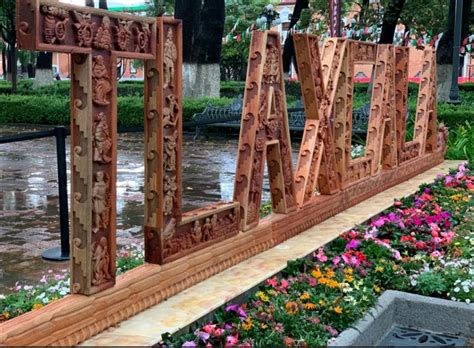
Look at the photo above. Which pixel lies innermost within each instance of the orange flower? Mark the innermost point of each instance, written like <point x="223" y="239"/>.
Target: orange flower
<point x="4" y="316"/>
<point x="291" y="307"/>
<point x="289" y="342"/>
<point x="338" y="310"/>
<point x="309" y="306"/>
<point x="305" y="296"/>
<point x="316" y="273"/>
<point x="247" y="324"/>
<point x="329" y="273"/>
<point x="333" y="284"/>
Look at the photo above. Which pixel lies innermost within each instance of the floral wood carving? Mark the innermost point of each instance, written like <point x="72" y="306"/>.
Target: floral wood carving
<point x="122" y="34"/>
<point x="103" y="37"/>
<point x="142" y="37"/>
<point x="84" y="28"/>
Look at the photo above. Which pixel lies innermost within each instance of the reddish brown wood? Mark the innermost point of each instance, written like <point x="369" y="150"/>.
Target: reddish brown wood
<point x="95" y="38"/>
<point x="264" y="129"/>
<point x="170" y="234"/>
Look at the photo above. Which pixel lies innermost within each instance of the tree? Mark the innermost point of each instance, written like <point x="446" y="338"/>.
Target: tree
<point x="390" y="19"/>
<point x="203" y="28"/>
<point x="240" y="15"/>
<point x="8" y="33"/>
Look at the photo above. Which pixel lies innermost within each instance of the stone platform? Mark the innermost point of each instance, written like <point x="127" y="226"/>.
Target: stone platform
<point x="195" y="302"/>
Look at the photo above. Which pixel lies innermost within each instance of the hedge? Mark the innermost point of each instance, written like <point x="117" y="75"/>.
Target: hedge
<point x="55" y="110"/>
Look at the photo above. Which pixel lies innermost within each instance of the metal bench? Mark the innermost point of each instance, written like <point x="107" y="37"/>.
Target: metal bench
<point x="229" y="116"/>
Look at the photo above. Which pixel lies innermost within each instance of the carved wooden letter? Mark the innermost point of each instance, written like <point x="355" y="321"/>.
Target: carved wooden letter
<point x="94" y="39"/>
<point x="264" y="133"/>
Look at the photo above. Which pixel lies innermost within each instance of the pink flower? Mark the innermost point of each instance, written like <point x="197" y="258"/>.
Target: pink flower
<point x="272" y="282"/>
<point x="232" y="340"/>
<point x="209" y="328"/>
<point x="44" y="279"/>
<point x="331" y="330"/>
<point x="320" y="255"/>
<point x="218" y="332"/>
<point x="279" y="328"/>
<point x="189" y="344"/>
<point x="284" y="284"/>
<point x="436" y="254"/>
<point x="379" y="222"/>
<point x="336" y="260"/>
<point x="353" y="244"/>
<point x="396" y="255"/>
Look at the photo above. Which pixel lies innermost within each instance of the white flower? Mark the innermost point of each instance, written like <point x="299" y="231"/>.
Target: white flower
<point x="2" y="297"/>
<point x="456" y="289"/>
<point x="465" y="288"/>
<point x="40" y="296"/>
<point x="468" y="300"/>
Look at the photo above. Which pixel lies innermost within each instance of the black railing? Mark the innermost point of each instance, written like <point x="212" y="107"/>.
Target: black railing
<point x="60" y="133"/>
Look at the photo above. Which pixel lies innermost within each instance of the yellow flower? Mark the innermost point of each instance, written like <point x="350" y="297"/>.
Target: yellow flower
<point x="338" y="310"/>
<point x="309" y="306"/>
<point x="466" y="199"/>
<point x="5" y="315"/>
<point x="316" y="273"/>
<point x="322" y="303"/>
<point x="291" y="307"/>
<point x="379" y="269"/>
<point x="305" y="296"/>
<point x="348" y="278"/>
<point x="348" y="270"/>
<point x="271" y="292"/>
<point x="37" y="306"/>
<point x="456" y="197"/>
<point x="377" y="288"/>
<point x="247" y="324"/>
<point x="260" y="295"/>
<point x="394" y="267"/>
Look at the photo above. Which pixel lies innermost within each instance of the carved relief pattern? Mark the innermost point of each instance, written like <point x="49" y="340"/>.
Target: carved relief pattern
<point x="55" y="19"/>
<point x="264" y="134"/>
<point x="103" y="37"/>
<point x="316" y="160"/>
<point x="84" y="28"/>
<point x="101" y="84"/>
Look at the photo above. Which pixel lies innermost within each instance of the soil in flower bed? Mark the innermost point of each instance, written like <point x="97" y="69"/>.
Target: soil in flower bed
<point x="423" y="244"/>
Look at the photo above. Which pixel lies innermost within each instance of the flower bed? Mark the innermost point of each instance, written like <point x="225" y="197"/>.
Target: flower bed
<point x="51" y="287"/>
<point x="422" y="244"/>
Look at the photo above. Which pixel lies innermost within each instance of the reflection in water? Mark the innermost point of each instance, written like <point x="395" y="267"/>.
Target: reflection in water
<point x="29" y="221"/>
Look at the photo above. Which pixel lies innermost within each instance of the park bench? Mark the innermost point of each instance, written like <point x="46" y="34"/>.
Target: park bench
<point x="228" y="116"/>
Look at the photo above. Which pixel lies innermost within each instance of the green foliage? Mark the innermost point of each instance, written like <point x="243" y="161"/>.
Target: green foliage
<point x="54" y="110"/>
<point x="461" y="142"/>
<point x="234" y="58"/>
<point x="430" y="283"/>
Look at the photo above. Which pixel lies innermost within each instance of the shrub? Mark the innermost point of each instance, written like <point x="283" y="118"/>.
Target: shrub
<point x="55" y="109"/>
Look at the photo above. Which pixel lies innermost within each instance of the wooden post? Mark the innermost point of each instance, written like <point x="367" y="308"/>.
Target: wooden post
<point x="95" y="39"/>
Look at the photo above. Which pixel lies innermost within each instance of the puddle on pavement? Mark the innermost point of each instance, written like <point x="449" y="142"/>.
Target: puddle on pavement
<point x="29" y="221"/>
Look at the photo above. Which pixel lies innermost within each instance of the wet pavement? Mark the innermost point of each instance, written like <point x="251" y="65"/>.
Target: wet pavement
<point x="29" y="219"/>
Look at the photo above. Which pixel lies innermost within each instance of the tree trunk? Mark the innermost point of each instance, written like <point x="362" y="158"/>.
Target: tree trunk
<point x="4" y="61"/>
<point x="390" y="20"/>
<point x="203" y="28"/>
<point x="103" y="4"/>
<point x="12" y="67"/>
<point x="90" y="3"/>
<point x="44" y="71"/>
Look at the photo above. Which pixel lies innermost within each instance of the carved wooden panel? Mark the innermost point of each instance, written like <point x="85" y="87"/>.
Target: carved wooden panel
<point x="425" y="124"/>
<point x="264" y="125"/>
<point x="163" y="139"/>
<point x="170" y="234"/>
<point x="95" y="38"/>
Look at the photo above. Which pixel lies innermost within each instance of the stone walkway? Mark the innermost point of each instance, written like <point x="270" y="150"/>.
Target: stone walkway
<point x="146" y="328"/>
